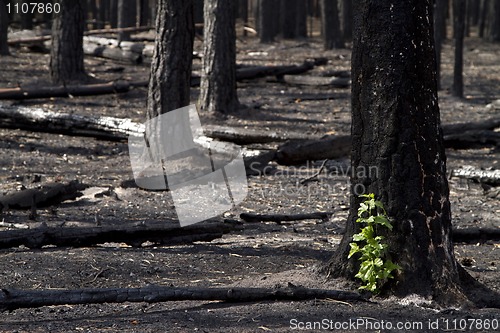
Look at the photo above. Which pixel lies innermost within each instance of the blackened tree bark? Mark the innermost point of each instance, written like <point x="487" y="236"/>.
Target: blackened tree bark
<point x="330" y="23"/>
<point x="66" y="54"/>
<point x="301" y="29"/>
<point x="113" y="13"/>
<point x="127" y="10"/>
<point x="198" y="11"/>
<point x="143" y="12"/>
<point x="288" y="19"/>
<point x="169" y="84"/>
<point x="266" y="21"/>
<point x="218" y="80"/>
<point x="440" y="9"/>
<point x="459" y="10"/>
<point x="347" y="19"/>
<point x="483" y="15"/>
<point x="103" y="11"/>
<point x="4" y="26"/>
<point x="494" y="21"/>
<point x="396" y="133"/>
<point x="243" y="13"/>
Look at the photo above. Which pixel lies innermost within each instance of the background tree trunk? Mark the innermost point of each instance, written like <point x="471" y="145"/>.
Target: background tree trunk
<point x="459" y="33"/>
<point x="266" y="24"/>
<point x="330" y="22"/>
<point x="288" y="19"/>
<point x="301" y="29"/>
<point x="347" y="19"/>
<point x="396" y="133"/>
<point x="218" y="80"/>
<point x="494" y="21"/>
<point x="441" y="7"/>
<point x="4" y="26"/>
<point x="127" y="10"/>
<point x="483" y="17"/>
<point x="169" y="84"/>
<point x="66" y="55"/>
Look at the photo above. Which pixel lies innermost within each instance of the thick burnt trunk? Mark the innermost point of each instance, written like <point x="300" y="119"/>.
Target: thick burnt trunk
<point x="170" y="81"/>
<point x="66" y="55"/>
<point x="398" y="150"/>
<point x="218" y="80"/>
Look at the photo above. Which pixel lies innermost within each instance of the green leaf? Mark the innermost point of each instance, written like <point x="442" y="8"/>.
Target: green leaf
<point x="354" y="249"/>
<point x="358" y="237"/>
<point x="382" y="220"/>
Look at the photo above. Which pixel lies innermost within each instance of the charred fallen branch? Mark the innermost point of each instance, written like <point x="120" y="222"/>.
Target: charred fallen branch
<point x="476" y="235"/>
<point x="20" y="93"/>
<point x="457" y="136"/>
<point x="44" y="196"/>
<point x="133" y="235"/>
<point x="491" y="177"/>
<point x="278" y="218"/>
<point x="307" y="80"/>
<point x="37" y="119"/>
<point x="11" y="299"/>
<point x="297" y="152"/>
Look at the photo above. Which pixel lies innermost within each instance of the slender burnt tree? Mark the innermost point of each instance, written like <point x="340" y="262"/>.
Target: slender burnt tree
<point x="266" y="21"/>
<point x="218" y="79"/>
<point x="440" y="7"/>
<point x="346" y="6"/>
<point x="4" y="25"/>
<point x="494" y="21"/>
<point x="459" y="8"/>
<point x="330" y="23"/>
<point x="397" y="149"/>
<point x="66" y="55"/>
<point x="169" y="83"/>
<point x="127" y="10"/>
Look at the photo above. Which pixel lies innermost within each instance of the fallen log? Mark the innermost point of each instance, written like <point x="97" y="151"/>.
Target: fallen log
<point x="335" y="82"/>
<point x="44" y="196"/>
<point x="37" y="119"/>
<point x="476" y="235"/>
<point x="491" y="177"/>
<point x="297" y="152"/>
<point x="114" y="53"/>
<point x="134" y="235"/>
<point x="254" y="72"/>
<point x="278" y="218"/>
<point x="30" y="37"/>
<point x="21" y="93"/>
<point x="249" y="136"/>
<point x="332" y="147"/>
<point x="472" y="139"/>
<point x="11" y="299"/>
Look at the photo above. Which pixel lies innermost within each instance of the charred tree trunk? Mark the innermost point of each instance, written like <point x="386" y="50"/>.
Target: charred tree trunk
<point x="143" y="13"/>
<point x="483" y="17"/>
<point x="218" y="80"/>
<point x="301" y="29"/>
<point x="347" y="19"/>
<point x="4" y="25"/>
<point x="332" y="35"/>
<point x="170" y="81"/>
<point x="243" y="13"/>
<point x="459" y="33"/>
<point x="440" y="7"/>
<point x="126" y="17"/>
<point x="288" y="19"/>
<point x="396" y="132"/>
<point x="266" y="24"/>
<point x="66" y="55"/>
<point x="494" y="21"/>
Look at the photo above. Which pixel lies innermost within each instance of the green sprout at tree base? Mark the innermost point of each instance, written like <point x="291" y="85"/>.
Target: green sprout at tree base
<point x="375" y="268"/>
